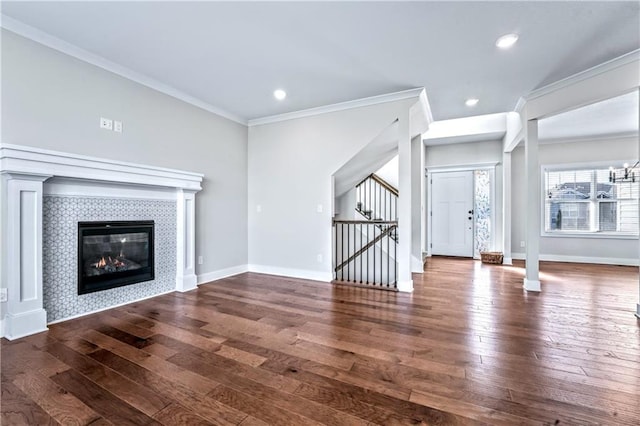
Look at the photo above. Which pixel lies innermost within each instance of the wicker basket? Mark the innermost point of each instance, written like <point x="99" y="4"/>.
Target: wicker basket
<point x="494" y="257"/>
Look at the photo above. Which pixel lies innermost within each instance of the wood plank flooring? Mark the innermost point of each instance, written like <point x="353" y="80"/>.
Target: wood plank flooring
<point x="467" y="347"/>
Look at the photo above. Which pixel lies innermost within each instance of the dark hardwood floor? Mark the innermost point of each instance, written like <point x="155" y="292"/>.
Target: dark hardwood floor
<point x="467" y="347"/>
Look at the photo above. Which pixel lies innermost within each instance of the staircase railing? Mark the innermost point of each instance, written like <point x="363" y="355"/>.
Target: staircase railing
<point x="376" y="199"/>
<point x="365" y="252"/>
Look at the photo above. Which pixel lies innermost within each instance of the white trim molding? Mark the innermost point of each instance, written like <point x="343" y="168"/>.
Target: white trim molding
<point x="638" y="310"/>
<point x="491" y="165"/>
<point x="24" y="170"/>
<point x="625" y="59"/>
<point x="622" y="261"/>
<point x="356" y="103"/>
<point x="30" y="160"/>
<point x="305" y="274"/>
<point x="209" y="277"/>
<point x="72" y="50"/>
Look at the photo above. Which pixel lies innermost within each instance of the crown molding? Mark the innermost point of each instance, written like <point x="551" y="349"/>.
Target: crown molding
<point x="633" y="56"/>
<point x="520" y="105"/>
<point x="55" y="43"/>
<point x="356" y="103"/>
<point x="631" y="136"/>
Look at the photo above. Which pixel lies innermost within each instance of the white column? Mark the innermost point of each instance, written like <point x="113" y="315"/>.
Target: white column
<point x="506" y="208"/>
<point x="417" y="204"/>
<point x="405" y="280"/>
<point x="186" y="278"/>
<point x="638" y="156"/>
<point x="22" y="199"/>
<point x="532" y="278"/>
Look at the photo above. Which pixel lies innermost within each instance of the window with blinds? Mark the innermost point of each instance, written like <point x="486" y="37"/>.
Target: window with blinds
<point x="584" y="201"/>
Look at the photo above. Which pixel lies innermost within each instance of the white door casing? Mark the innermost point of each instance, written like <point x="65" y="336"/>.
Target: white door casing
<point x="452" y="213"/>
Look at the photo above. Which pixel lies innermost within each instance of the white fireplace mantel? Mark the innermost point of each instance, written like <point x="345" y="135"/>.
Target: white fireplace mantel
<point x="24" y="171"/>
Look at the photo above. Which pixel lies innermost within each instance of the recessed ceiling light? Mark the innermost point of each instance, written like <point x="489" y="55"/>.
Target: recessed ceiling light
<point x="279" y="94"/>
<point x="506" y="41"/>
<point x="471" y="102"/>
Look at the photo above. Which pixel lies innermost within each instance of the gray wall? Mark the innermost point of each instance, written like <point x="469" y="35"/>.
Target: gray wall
<point x="572" y="248"/>
<point x="290" y="169"/>
<point x="53" y="101"/>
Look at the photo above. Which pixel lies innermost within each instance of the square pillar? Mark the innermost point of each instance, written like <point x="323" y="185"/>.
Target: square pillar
<point x="506" y="208"/>
<point x="532" y="278"/>
<point x="405" y="280"/>
<point x="22" y="257"/>
<point x="186" y="278"/>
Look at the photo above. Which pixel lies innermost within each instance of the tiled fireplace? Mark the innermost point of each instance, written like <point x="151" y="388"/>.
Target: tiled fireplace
<point x="53" y="206"/>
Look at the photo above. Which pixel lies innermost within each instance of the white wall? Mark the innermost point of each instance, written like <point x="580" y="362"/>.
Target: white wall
<point x="53" y="101"/>
<point x="290" y="169"/>
<point x="472" y="153"/>
<point x="389" y="172"/>
<point x="594" y="250"/>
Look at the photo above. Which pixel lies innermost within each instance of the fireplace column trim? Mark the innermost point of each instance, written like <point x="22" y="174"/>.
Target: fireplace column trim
<point x="186" y="278"/>
<point x="23" y="200"/>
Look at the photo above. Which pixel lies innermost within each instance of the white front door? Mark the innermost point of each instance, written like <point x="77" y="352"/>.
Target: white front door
<point x="452" y="213"/>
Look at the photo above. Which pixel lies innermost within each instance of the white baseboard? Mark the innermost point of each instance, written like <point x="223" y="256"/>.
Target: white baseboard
<point x="1" y="328"/>
<point x="222" y="273"/>
<point x="507" y="261"/>
<point x="582" y="259"/>
<point x="305" y="274"/>
<point x="638" y="310"/>
<point x="110" y="307"/>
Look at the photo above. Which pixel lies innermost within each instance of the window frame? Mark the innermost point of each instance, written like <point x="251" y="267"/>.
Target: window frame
<point x="592" y="201"/>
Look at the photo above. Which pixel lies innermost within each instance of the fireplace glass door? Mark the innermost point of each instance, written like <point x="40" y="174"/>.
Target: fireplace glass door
<point x="113" y="254"/>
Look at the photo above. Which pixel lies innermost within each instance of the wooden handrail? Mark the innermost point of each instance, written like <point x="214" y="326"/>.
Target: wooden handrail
<point x="368" y="222"/>
<point x="384" y="184"/>
<point x="369" y="244"/>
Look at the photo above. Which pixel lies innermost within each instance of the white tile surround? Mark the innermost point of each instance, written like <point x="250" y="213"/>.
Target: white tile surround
<point x="28" y="174"/>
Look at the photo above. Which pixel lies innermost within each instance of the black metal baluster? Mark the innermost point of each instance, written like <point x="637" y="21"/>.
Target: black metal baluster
<point x="388" y="254"/>
<point x="367" y="252"/>
<point x="342" y="258"/>
<point x="335" y="251"/>
<point x="361" y="255"/>
<point x="395" y="257"/>
<point x="374" y="255"/>
<point x="349" y="251"/>
<point x="379" y="202"/>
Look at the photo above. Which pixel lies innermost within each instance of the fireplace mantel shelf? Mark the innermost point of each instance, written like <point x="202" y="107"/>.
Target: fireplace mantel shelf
<point x="27" y="173"/>
<point x="20" y="159"/>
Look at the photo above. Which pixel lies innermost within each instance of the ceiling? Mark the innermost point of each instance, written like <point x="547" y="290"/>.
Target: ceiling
<point x="232" y="55"/>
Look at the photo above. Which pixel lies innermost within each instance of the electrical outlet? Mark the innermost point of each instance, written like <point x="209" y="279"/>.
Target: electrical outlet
<point x="106" y="123"/>
<point x="3" y="294"/>
<point x="521" y="243"/>
<point x="117" y="126"/>
<point x="200" y="260"/>
<point x="319" y="257"/>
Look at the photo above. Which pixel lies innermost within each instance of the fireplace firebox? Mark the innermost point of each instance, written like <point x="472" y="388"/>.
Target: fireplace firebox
<point x="114" y="254"/>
